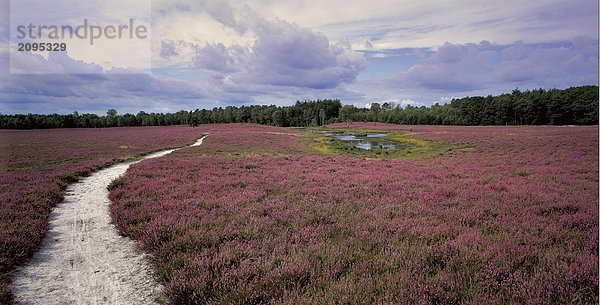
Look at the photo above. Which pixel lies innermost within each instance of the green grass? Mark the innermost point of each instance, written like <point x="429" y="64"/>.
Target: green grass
<point x="408" y="148"/>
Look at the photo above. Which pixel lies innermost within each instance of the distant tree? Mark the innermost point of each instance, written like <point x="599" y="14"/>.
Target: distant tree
<point x="321" y="116"/>
<point x="387" y="106"/>
<point x="111" y="117"/>
<point x="576" y="105"/>
<point x="279" y="118"/>
<point x="346" y="113"/>
<point x="374" y="112"/>
<point x="111" y="113"/>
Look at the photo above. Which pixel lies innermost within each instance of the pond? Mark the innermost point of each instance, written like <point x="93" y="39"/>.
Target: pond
<point x="362" y="140"/>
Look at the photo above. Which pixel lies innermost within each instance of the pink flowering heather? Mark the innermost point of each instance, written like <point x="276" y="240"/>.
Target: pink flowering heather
<point x="36" y="166"/>
<point x="253" y="217"/>
<point x="510" y="215"/>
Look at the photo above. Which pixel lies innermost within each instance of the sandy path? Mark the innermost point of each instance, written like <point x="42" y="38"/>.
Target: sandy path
<point x="83" y="260"/>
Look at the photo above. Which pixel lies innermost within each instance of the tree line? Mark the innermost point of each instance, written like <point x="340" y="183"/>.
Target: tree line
<point x="575" y="105"/>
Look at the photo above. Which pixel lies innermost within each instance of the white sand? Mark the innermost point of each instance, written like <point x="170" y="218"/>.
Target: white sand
<point x="83" y="260"/>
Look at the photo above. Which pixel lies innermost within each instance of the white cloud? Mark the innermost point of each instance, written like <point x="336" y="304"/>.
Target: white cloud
<point x="399" y="102"/>
<point x="430" y="23"/>
<point x="126" y="49"/>
<point x="446" y="99"/>
<point x="250" y="48"/>
<point x="407" y="102"/>
<point x="277" y="52"/>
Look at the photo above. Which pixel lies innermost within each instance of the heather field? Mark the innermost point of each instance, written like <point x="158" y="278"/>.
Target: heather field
<point x="37" y="165"/>
<point x="257" y="215"/>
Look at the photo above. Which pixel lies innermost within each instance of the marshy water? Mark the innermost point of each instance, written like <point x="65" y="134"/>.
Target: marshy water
<point x="363" y="140"/>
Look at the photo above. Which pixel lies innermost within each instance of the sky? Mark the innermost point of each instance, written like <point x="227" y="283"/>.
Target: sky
<point x="203" y="54"/>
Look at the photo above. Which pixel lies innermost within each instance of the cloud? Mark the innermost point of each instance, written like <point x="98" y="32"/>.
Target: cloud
<point x="268" y="61"/>
<point x="469" y="67"/>
<point x="89" y="19"/>
<point x="398" y="102"/>
<point x="50" y="93"/>
<point x="285" y="54"/>
<point x="574" y="63"/>
<point x="56" y="63"/>
<point x="430" y="23"/>
<point x="98" y="92"/>
<point x="44" y="93"/>
<point x="168" y="49"/>
<point x="257" y="51"/>
<point x="217" y="57"/>
<point x="209" y="53"/>
<point x="445" y="99"/>
<point x="405" y="103"/>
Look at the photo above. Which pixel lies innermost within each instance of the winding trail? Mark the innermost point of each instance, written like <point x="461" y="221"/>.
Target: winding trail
<point x="83" y="260"/>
